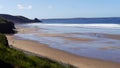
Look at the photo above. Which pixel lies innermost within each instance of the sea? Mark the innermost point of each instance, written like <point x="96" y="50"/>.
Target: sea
<point x="93" y="40"/>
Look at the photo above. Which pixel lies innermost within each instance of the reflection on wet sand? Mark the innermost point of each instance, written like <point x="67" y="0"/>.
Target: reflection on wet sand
<point x="110" y="48"/>
<point x="69" y="37"/>
<point x="103" y="46"/>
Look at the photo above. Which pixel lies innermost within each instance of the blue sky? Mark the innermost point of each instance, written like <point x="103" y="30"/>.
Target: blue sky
<point x="61" y="8"/>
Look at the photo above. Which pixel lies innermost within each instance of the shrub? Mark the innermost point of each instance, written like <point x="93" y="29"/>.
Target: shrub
<point x="3" y="40"/>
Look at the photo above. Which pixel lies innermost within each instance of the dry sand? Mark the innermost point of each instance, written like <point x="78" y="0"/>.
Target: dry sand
<point x="58" y="55"/>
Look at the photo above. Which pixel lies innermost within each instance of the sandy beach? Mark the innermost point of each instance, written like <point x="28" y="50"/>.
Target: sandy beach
<point x="58" y="55"/>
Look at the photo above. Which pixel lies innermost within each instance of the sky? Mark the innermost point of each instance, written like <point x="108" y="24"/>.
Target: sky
<point x="44" y="9"/>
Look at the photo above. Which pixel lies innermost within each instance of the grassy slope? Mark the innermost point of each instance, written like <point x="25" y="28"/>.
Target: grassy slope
<point x="17" y="59"/>
<point x="2" y="21"/>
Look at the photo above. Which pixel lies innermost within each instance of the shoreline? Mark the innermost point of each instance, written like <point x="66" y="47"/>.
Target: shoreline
<point x="43" y="50"/>
<point x="59" y="55"/>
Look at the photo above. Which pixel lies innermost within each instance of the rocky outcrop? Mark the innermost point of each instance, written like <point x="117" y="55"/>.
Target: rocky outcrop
<point x="36" y="20"/>
<point x="6" y="26"/>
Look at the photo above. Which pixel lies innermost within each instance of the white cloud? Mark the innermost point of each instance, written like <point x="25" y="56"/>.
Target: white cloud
<point x="29" y="7"/>
<point x="22" y="7"/>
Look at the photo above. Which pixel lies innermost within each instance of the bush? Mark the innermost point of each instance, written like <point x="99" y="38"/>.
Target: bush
<point x="3" y="40"/>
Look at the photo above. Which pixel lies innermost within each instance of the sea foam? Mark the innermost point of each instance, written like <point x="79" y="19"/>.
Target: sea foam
<point x="113" y="26"/>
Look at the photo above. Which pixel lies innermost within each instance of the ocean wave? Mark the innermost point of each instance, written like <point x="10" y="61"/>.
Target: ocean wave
<point x="116" y="26"/>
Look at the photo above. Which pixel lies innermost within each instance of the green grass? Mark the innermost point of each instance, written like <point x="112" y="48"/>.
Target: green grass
<point x="20" y="60"/>
<point x="2" y="21"/>
<point x="3" y="40"/>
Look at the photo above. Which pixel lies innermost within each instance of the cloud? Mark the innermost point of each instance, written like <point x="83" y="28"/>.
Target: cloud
<point x="29" y="7"/>
<point x="22" y="7"/>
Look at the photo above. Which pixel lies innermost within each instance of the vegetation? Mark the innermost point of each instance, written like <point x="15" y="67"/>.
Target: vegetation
<point x="3" y="40"/>
<point x="11" y="58"/>
<point x="2" y="21"/>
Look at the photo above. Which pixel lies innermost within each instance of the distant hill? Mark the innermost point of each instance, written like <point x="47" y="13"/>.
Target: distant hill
<point x="107" y="20"/>
<point x="6" y="26"/>
<point x="18" y="19"/>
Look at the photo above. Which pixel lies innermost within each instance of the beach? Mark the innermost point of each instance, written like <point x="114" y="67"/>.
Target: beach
<point x="45" y="50"/>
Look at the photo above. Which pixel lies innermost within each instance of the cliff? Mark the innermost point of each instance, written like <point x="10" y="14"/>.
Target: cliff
<point x="18" y="19"/>
<point x="6" y="26"/>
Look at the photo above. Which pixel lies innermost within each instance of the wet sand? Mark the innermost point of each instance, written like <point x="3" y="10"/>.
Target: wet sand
<point x="58" y="55"/>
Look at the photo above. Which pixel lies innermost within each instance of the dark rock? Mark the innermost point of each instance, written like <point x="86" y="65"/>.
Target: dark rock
<point x="6" y="26"/>
<point x="36" y="20"/>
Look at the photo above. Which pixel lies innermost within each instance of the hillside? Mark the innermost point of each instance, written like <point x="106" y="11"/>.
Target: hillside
<point x="18" y="19"/>
<point x="11" y="58"/>
<point x="112" y="20"/>
<point x="6" y="26"/>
